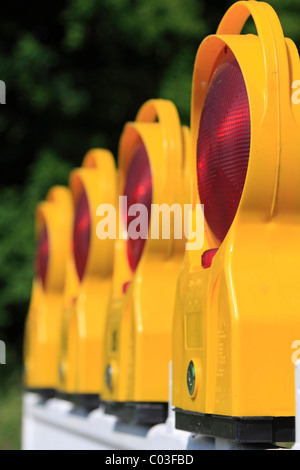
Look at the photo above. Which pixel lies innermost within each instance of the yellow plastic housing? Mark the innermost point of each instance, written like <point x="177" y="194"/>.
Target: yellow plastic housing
<point x="82" y="354"/>
<point x="139" y="320"/>
<point x="43" y="323"/>
<point x="238" y="319"/>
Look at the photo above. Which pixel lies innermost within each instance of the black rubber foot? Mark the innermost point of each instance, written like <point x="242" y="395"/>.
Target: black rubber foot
<point x="86" y="401"/>
<point x="251" y="430"/>
<point x="44" y="393"/>
<point x="138" y="412"/>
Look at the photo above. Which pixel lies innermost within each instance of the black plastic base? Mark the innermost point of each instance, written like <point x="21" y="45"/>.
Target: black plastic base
<point x="44" y="393"/>
<point x="250" y="430"/>
<point x="64" y="396"/>
<point x="138" y="412"/>
<point x="88" y="401"/>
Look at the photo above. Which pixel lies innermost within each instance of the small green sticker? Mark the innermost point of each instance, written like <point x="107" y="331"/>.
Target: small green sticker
<point x="108" y="376"/>
<point x="191" y="378"/>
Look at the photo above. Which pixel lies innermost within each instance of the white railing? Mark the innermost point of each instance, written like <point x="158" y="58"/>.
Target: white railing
<point x="57" y="424"/>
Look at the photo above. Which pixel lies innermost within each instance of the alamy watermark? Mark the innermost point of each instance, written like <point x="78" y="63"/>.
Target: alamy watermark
<point x="2" y="353"/>
<point x="166" y="222"/>
<point x="2" y="92"/>
<point x="296" y="94"/>
<point x="296" y="353"/>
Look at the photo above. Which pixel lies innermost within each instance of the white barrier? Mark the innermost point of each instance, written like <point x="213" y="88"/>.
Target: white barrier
<point x="57" y="424"/>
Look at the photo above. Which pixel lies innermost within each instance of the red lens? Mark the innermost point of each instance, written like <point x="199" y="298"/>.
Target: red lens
<point x="42" y="256"/>
<point x="82" y="234"/>
<point x="138" y="189"/>
<point x="223" y="146"/>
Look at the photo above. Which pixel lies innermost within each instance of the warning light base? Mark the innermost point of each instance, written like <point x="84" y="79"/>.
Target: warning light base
<point x="258" y="430"/>
<point x="138" y="412"/>
<point x="44" y="393"/>
<point x="86" y="401"/>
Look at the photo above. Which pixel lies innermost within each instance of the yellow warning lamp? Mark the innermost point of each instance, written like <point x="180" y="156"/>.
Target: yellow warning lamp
<point x="43" y="324"/>
<point x="238" y="299"/>
<point x="152" y="174"/>
<point x="92" y="186"/>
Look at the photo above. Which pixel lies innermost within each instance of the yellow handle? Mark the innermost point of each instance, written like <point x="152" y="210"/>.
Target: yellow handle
<point x="272" y="39"/>
<point x="166" y="114"/>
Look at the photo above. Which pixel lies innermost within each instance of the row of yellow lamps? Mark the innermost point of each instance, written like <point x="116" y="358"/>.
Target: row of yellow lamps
<point x="104" y="329"/>
<point x="236" y="300"/>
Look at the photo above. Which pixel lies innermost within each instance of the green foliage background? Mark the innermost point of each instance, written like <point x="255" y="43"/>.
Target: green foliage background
<point x="76" y="71"/>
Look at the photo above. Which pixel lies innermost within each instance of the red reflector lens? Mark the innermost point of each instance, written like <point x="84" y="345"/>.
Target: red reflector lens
<point x="81" y="234"/>
<point x="207" y="258"/>
<point x="223" y="146"/>
<point x="138" y="189"/>
<point x="42" y="256"/>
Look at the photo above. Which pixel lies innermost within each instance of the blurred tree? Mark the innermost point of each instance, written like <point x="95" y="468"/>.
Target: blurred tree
<point x="76" y="71"/>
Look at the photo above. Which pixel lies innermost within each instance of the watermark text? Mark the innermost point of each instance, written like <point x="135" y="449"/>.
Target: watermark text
<point x="179" y="222"/>
<point x="2" y="353"/>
